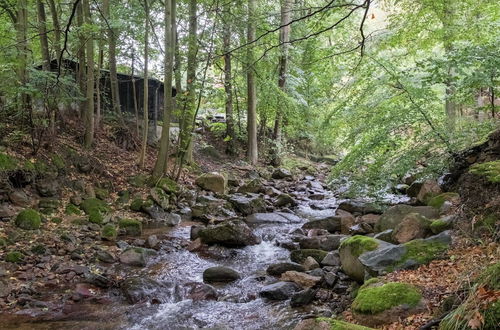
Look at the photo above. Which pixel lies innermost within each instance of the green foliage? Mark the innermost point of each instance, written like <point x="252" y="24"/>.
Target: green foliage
<point x="376" y="299"/>
<point x="109" y="232"/>
<point x="490" y="170"/>
<point x="95" y="209"/>
<point x="72" y="209"/>
<point x="438" y="201"/>
<point x="28" y="219"/>
<point x="7" y="163"/>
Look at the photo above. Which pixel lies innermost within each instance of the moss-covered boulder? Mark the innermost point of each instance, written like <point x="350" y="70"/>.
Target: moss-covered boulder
<point x="95" y="208"/>
<point x="407" y="255"/>
<point x="489" y="170"/>
<point x="160" y="197"/>
<point x="428" y="190"/>
<point x="109" y="232"/>
<point x="380" y="303"/>
<point x="254" y="186"/>
<point x="438" y="201"/>
<point x="72" y="209"/>
<point x="48" y="205"/>
<point x="299" y="256"/>
<point x="101" y="193"/>
<point x="440" y="225"/>
<point x="351" y="249"/>
<point x="14" y="257"/>
<point x="394" y="215"/>
<point x="136" y="204"/>
<point x="324" y="323"/>
<point x="28" y="219"/>
<point x="131" y="227"/>
<point x="168" y="185"/>
<point x="214" y="181"/>
<point x="138" y="181"/>
<point x="412" y="226"/>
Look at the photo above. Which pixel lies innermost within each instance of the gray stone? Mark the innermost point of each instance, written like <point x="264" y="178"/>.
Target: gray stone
<point x="397" y="213"/>
<point x="47" y="188"/>
<point x="247" y="204"/>
<point x="140" y="289"/>
<point x="302" y="298"/>
<point x="279" y="290"/>
<point x="173" y="219"/>
<point x="284" y="200"/>
<point x="331" y="259"/>
<point x="215" y="182"/>
<point x="325" y="242"/>
<point x="220" y="274"/>
<point x="135" y="256"/>
<point x="360" y="206"/>
<point x="332" y="224"/>
<point x="281" y="173"/>
<point x="282" y="267"/>
<point x="19" y="198"/>
<point x="229" y="233"/>
<point x="274" y="217"/>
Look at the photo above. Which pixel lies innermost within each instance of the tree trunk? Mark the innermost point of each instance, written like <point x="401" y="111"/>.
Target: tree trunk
<point x="177" y="65"/>
<point x="251" y="92"/>
<point x="145" y="105"/>
<point x="134" y="92"/>
<point x="286" y="10"/>
<point x="100" y="63"/>
<point x="228" y="83"/>
<point x="22" y="49"/>
<point x="82" y="82"/>
<point x="161" y="161"/>
<point x="57" y="30"/>
<point x="89" y="113"/>
<point x="112" y="36"/>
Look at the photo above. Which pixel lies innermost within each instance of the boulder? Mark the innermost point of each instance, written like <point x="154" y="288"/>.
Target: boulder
<point x="272" y="217"/>
<point x="360" y="206"/>
<point x="324" y="242"/>
<point x="299" y="256"/>
<point x="253" y="186"/>
<point x="412" y="226"/>
<point x="351" y="249"/>
<point x="429" y="189"/>
<point x="229" y="233"/>
<point x="95" y="208"/>
<point x="47" y="188"/>
<point x="284" y="200"/>
<point x="247" y="204"/>
<point x="385" y="236"/>
<point x="160" y="197"/>
<point x="134" y="256"/>
<point x="200" y="291"/>
<point x="332" y="224"/>
<point x="28" y="219"/>
<point x="281" y="173"/>
<point x="19" y="198"/>
<point x="347" y="220"/>
<point x="380" y="303"/>
<point x="439" y="200"/>
<point x="302" y="298"/>
<point x="109" y="232"/>
<point x="282" y="267"/>
<point x="6" y="211"/>
<point x="173" y="219"/>
<point x="279" y="290"/>
<point x="310" y="263"/>
<point x="220" y="274"/>
<point x="331" y="259"/>
<point x="140" y="289"/>
<point x="397" y="213"/>
<point x="389" y="258"/>
<point x="131" y="227"/>
<point x="214" y="181"/>
<point x="440" y="225"/>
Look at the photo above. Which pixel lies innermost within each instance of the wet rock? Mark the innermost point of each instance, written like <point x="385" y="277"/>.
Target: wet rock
<point x="282" y="267"/>
<point x="140" y="289"/>
<point x="332" y="224"/>
<point x="279" y="290"/>
<point x="229" y="233"/>
<point x="281" y="173"/>
<point x="325" y="242"/>
<point x="310" y="263"/>
<point x="247" y="204"/>
<point x="360" y="206"/>
<point x="329" y="279"/>
<point x="317" y="232"/>
<point x="385" y="236"/>
<point x="47" y="188"/>
<point x="207" y="207"/>
<point x="299" y="256"/>
<point x="200" y="291"/>
<point x="215" y="182"/>
<point x="331" y="259"/>
<point x="19" y="198"/>
<point x="105" y="256"/>
<point x="152" y="241"/>
<point x="302" y="298"/>
<point x="428" y="189"/>
<point x="361" y="229"/>
<point x="412" y="226"/>
<point x="195" y="232"/>
<point x="254" y="186"/>
<point x="195" y="245"/>
<point x="135" y="256"/>
<point x="302" y="279"/>
<point x="284" y="200"/>
<point x="272" y="217"/>
<point x="173" y="219"/>
<point x="397" y="213"/>
<point x="220" y="274"/>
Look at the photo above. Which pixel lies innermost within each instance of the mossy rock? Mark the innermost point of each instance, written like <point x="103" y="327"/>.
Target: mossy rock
<point x="131" y="226"/>
<point x="160" y="197"/>
<point x="95" y="209"/>
<point x="378" y="297"/>
<point x="299" y="256"/>
<point x="109" y="232"/>
<point x="28" y="219"/>
<point x="101" y="193"/>
<point x="14" y="256"/>
<point x="438" y="201"/>
<point x="139" y="180"/>
<point x="136" y="204"/>
<point x="168" y="185"/>
<point x="360" y="244"/>
<point x="489" y="170"/>
<point x="72" y="209"/>
<point x="7" y="163"/>
<point x="440" y="225"/>
<point x="58" y="162"/>
<point x="39" y="249"/>
<point x="350" y="250"/>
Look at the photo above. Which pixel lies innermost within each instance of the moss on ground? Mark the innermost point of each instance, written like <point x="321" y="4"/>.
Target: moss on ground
<point x="131" y="226"/>
<point x="138" y="180"/>
<point x="58" y="162"/>
<point x="72" y="209"/>
<point x="14" y="256"/>
<point x="101" y="193"/>
<point x="360" y="244"/>
<point x="28" y="219"/>
<point x="56" y="220"/>
<point x="490" y="170"/>
<point x="109" y="232"/>
<point x="136" y="204"/>
<point x="438" y="201"/>
<point x="95" y="209"/>
<point x="341" y="325"/>
<point x="39" y="249"/>
<point x="7" y="163"/>
<point x="374" y="300"/>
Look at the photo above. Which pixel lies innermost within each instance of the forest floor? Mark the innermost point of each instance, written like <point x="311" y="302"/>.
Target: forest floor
<point x="438" y="280"/>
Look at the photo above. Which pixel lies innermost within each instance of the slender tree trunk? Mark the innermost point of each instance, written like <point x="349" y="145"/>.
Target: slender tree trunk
<point x="89" y="113"/>
<point x="177" y="65"/>
<point x="145" y="126"/>
<point x="251" y="91"/>
<point x="22" y="49"/>
<point x="450" y="105"/>
<point x="100" y="63"/>
<point x="82" y="82"/>
<point x="134" y="92"/>
<point x="112" y="36"/>
<point x="286" y="10"/>
<point x="161" y="161"/>
<point x="57" y="29"/>
<point x="228" y="88"/>
<point x="492" y="100"/>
